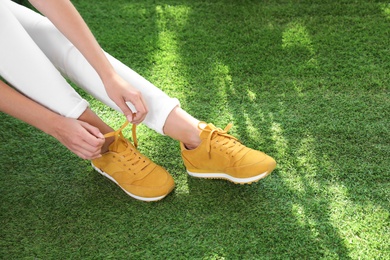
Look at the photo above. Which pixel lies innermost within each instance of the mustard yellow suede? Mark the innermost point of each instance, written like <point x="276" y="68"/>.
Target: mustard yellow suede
<point x="136" y="174"/>
<point x="222" y="156"/>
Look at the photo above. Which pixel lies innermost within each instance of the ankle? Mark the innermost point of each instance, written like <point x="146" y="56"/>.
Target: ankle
<point x="191" y="146"/>
<point x="192" y="140"/>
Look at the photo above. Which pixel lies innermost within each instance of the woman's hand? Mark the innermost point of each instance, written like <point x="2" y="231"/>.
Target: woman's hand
<point x="81" y="138"/>
<point x="120" y="91"/>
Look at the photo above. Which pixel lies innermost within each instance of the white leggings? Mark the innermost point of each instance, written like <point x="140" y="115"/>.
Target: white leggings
<point x="34" y="54"/>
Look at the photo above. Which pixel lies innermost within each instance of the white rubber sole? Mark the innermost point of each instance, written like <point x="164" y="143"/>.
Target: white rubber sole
<point x="228" y="177"/>
<point x="128" y="193"/>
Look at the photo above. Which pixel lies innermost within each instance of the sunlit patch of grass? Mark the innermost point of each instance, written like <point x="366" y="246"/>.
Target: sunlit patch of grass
<point x="385" y="9"/>
<point x="297" y="35"/>
<point x="305" y="81"/>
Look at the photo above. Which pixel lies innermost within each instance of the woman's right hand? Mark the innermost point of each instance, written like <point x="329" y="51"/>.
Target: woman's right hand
<point x="81" y="138"/>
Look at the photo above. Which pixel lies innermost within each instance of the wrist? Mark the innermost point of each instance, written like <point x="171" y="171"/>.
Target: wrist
<point x="53" y="123"/>
<point x="110" y="78"/>
<point x="108" y="75"/>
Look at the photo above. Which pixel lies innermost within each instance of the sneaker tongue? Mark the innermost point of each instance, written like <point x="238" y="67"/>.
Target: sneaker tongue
<point x="119" y="145"/>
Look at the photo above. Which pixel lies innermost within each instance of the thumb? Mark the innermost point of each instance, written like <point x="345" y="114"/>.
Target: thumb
<point x="128" y="110"/>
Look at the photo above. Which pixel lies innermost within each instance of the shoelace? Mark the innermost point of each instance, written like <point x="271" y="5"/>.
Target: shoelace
<point x="223" y="140"/>
<point x="132" y="155"/>
<point x="119" y="133"/>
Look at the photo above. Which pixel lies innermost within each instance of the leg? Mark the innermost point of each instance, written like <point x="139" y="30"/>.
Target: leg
<point x="165" y="116"/>
<point x="25" y="67"/>
<point x="38" y="79"/>
<point x="183" y="127"/>
<point x="67" y="59"/>
<point x="207" y="151"/>
<point x="44" y="83"/>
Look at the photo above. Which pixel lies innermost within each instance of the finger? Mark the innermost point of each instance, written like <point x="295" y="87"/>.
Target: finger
<point x="137" y="105"/>
<point x="141" y="110"/>
<point x="141" y="117"/>
<point x="92" y="130"/>
<point x="86" y="151"/>
<point x="93" y="139"/>
<point x="87" y="146"/>
<point x="128" y="109"/>
<point x="131" y="114"/>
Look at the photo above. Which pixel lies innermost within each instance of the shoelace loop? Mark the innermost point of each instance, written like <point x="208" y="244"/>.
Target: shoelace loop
<point x="222" y="139"/>
<point x="132" y="156"/>
<point x="118" y="133"/>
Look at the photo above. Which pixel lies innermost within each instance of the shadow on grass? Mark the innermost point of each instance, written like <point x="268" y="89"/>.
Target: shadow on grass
<point x="277" y="222"/>
<point x="239" y="221"/>
<point x="253" y="81"/>
<point x="228" y="81"/>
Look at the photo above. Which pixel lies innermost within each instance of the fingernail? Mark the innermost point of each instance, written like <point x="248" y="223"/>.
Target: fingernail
<point x="129" y="118"/>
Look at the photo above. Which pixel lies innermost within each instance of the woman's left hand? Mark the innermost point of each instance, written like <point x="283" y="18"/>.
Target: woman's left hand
<point x="120" y="91"/>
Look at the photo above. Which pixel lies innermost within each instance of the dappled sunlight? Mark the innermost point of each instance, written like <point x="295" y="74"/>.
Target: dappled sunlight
<point x="355" y="220"/>
<point x="301" y="175"/>
<point x="167" y="55"/>
<point x="305" y="219"/>
<point x="306" y="166"/>
<point x="251" y="128"/>
<point x="281" y="144"/>
<point x="306" y="157"/>
<point x="385" y="7"/>
<point x="296" y="35"/>
<point x="182" y="188"/>
<point x="298" y="88"/>
<point x="314" y="202"/>
<point x="251" y="95"/>
<point x="296" y="38"/>
<point x="222" y="79"/>
<point x="167" y="60"/>
<point x="306" y="83"/>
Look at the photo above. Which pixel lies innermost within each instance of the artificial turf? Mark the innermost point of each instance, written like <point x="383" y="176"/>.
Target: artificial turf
<point x="307" y="82"/>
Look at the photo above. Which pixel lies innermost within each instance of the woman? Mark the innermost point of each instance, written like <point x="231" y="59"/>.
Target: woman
<point x="35" y="51"/>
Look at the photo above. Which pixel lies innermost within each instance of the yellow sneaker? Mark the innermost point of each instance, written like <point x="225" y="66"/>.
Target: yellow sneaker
<point x="137" y="175"/>
<point x="222" y="156"/>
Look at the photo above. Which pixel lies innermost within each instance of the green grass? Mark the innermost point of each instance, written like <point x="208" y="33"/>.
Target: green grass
<point x="305" y="81"/>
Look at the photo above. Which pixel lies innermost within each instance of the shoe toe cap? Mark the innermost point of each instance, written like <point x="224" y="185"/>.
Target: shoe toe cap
<point x="256" y="162"/>
<point x="157" y="183"/>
